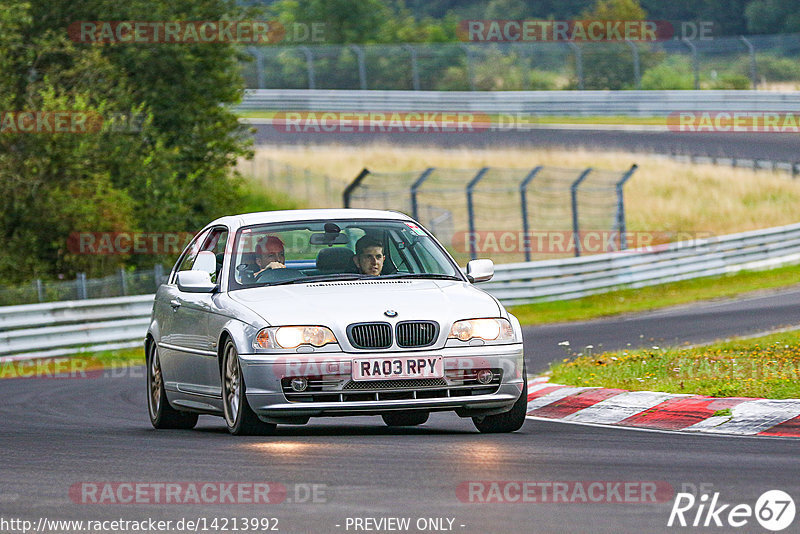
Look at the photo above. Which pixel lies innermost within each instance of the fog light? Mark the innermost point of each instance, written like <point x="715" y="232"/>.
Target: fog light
<point x="485" y="376"/>
<point x="299" y="384"/>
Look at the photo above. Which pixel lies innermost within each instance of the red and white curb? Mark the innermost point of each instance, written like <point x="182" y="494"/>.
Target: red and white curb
<point x="663" y="411"/>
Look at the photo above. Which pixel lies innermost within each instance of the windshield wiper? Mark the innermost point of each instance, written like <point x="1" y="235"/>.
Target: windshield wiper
<point x="435" y="276"/>
<point x="322" y="278"/>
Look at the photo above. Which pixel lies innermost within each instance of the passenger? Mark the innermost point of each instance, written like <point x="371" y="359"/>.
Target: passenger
<point x="369" y="256"/>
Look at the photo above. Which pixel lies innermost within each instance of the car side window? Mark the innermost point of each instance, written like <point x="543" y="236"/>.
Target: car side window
<point x="216" y="243"/>
<point x="191" y="254"/>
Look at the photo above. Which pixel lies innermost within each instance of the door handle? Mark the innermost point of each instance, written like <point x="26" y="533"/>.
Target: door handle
<point x="175" y="304"/>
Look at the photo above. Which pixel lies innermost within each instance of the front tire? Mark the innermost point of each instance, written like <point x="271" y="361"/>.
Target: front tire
<point x="239" y="417"/>
<point x="162" y="415"/>
<point x="509" y="421"/>
<point x="405" y="418"/>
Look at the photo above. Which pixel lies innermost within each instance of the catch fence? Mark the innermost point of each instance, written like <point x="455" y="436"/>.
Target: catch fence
<point x="523" y="214"/>
<point x="732" y="62"/>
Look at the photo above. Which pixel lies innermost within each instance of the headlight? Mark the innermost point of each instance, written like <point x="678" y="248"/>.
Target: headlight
<point x="289" y="337"/>
<point x="488" y="329"/>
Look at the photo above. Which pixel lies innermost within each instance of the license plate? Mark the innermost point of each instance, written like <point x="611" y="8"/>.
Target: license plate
<point x="401" y="367"/>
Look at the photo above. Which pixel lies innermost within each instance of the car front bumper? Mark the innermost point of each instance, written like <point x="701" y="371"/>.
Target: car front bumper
<point x="265" y="376"/>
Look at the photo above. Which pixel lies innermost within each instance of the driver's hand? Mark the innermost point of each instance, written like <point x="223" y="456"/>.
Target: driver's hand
<point x="271" y="265"/>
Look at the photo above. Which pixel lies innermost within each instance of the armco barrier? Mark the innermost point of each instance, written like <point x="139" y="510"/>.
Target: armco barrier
<point x="578" y="277"/>
<point x="633" y="103"/>
<point x="52" y="329"/>
<point x="57" y="328"/>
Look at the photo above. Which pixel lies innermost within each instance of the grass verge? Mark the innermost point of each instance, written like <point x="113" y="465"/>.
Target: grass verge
<point x="655" y="297"/>
<point x="766" y="367"/>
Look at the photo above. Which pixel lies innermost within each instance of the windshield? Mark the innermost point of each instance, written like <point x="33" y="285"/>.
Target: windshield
<point x="313" y="251"/>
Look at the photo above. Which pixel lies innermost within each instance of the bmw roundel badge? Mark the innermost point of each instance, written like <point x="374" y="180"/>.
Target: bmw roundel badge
<point x="390" y="313"/>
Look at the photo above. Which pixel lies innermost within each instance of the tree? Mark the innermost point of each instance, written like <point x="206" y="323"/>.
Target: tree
<point x="172" y="175"/>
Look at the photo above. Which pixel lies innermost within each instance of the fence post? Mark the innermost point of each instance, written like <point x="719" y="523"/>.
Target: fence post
<point x="752" y="52"/>
<point x="471" y="212"/>
<point x="362" y="68"/>
<point x="123" y="283"/>
<point x="328" y="196"/>
<point x="260" y="67"/>
<point x="414" y="187"/>
<point x="621" y="228"/>
<point x="470" y="70"/>
<point x="80" y="285"/>
<point x="637" y="71"/>
<point x="39" y="290"/>
<point x="309" y="66"/>
<point x="523" y="197"/>
<point x="695" y="61"/>
<point x="578" y="62"/>
<point x="414" y="68"/>
<point x="158" y="274"/>
<point x="355" y="183"/>
<point x="573" y="189"/>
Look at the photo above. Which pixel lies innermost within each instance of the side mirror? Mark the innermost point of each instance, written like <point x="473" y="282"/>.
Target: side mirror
<point x="480" y="270"/>
<point x="195" y="282"/>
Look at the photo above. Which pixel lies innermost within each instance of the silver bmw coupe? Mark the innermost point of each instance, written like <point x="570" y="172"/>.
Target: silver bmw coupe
<point x="272" y="318"/>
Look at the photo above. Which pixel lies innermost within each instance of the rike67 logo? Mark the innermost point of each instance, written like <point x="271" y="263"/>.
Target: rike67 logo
<point x="774" y="510"/>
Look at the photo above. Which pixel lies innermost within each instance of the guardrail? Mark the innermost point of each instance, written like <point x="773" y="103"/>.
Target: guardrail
<point x="53" y="329"/>
<point x="579" y="277"/>
<point x="633" y="103"/>
<point x="58" y="328"/>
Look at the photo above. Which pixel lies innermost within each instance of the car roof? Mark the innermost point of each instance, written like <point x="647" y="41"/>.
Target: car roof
<point x="247" y="219"/>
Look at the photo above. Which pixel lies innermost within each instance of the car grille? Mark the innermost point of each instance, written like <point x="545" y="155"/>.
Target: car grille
<point x="458" y="383"/>
<point x="416" y="333"/>
<point x="396" y="384"/>
<point x="370" y="335"/>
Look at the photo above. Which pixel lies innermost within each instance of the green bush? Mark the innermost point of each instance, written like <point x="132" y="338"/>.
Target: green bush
<point x="672" y="73"/>
<point x="731" y="80"/>
<point x="772" y="68"/>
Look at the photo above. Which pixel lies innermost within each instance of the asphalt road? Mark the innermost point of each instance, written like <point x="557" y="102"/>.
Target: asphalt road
<point x="59" y="433"/>
<point x="779" y="147"/>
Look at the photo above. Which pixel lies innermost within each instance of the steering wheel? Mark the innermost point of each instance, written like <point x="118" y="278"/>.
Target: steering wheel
<point x="274" y="275"/>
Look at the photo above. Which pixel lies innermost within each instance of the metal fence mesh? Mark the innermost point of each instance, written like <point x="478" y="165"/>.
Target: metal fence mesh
<point x="311" y="189"/>
<point x="510" y="215"/>
<point x="124" y="283"/>
<point x="732" y="62"/>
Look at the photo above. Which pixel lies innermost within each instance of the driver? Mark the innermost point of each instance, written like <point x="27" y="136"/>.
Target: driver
<point x="270" y="254"/>
<point x="369" y="256"/>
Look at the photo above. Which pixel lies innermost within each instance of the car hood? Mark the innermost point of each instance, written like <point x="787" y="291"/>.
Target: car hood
<point x="338" y="304"/>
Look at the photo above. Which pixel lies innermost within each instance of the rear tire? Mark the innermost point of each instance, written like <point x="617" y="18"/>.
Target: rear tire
<point x="239" y="417"/>
<point x="162" y="415"/>
<point x="509" y="421"/>
<point x="405" y="418"/>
